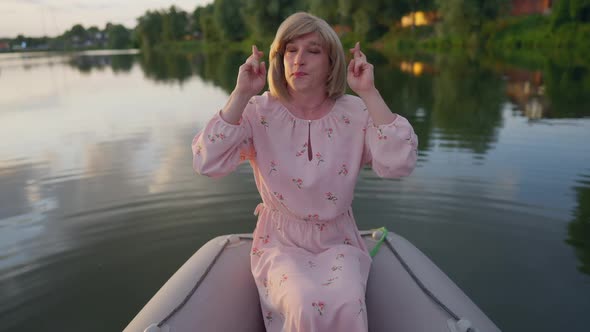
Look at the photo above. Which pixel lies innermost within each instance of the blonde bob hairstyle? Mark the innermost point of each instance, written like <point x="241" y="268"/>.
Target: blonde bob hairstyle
<point x="297" y="25"/>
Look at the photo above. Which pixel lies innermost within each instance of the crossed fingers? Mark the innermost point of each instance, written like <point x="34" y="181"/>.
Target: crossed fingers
<point x="359" y="61"/>
<point x="253" y="63"/>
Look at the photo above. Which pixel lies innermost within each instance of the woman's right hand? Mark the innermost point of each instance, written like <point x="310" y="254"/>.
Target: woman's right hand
<point x="251" y="75"/>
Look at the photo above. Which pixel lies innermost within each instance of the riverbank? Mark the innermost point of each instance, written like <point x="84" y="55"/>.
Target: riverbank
<point x="522" y="39"/>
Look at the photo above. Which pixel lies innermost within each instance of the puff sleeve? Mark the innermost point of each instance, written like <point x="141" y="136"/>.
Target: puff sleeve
<point x="391" y="148"/>
<point x="220" y="147"/>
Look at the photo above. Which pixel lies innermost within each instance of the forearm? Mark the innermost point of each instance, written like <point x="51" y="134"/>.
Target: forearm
<point x="377" y="108"/>
<point x="233" y="109"/>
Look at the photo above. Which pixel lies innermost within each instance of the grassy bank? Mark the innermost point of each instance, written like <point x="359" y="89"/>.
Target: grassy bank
<point x="531" y="37"/>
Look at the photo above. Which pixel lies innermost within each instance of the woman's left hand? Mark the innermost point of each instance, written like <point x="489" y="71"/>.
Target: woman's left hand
<point x="360" y="73"/>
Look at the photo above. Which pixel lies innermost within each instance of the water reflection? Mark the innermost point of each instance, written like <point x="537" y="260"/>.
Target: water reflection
<point x="117" y="63"/>
<point x="101" y="182"/>
<point x="579" y="228"/>
<point x="467" y="104"/>
<point x="526" y="89"/>
<point x="220" y="68"/>
<point x="568" y="90"/>
<point x="173" y="68"/>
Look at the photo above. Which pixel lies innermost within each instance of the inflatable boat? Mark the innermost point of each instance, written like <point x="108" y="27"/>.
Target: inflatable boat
<point x="215" y="291"/>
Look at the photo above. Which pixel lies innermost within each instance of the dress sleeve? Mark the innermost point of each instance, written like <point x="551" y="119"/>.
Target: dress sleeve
<point x="220" y="147"/>
<point x="391" y="148"/>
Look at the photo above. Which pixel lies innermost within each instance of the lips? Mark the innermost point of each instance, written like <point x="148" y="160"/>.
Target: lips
<point x="299" y="74"/>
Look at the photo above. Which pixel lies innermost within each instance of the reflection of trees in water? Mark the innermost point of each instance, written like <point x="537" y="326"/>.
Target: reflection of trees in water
<point x="88" y="63"/>
<point x="122" y="63"/>
<point x="166" y="67"/>
<point x="568" y="90"/>
<point x="467" y="104"/>
<point x="579" y="227"/>
<point x="408" y="95"/>
<point x="220" y="68"/>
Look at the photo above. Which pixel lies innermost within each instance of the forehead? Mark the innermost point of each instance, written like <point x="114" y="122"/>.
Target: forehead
<point x="312" y="38"/>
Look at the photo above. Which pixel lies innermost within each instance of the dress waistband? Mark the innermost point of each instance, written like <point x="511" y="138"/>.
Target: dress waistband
<point x="261" y="206"/>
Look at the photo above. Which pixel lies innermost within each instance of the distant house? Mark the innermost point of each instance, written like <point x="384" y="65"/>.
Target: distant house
<point x="419" y="18"/>
<point x="528" y="7"/>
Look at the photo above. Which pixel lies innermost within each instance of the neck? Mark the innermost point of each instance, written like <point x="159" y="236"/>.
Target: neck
<point x="309" y="105"/>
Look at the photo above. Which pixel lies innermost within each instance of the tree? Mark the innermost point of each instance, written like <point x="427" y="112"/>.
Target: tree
<point x="580" y="10"/>
<point x="119" y="37"/>
<point x="263" y="17"/>
<point x="464" y="17"/>
<point x="228" y="19"/>
<point x="174" y="24"/>
<point x="77" y="32"/>
<point x="203" y="19"/>
<point x="149" y="29"/>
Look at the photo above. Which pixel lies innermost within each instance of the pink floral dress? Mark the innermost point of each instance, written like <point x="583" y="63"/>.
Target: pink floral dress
<point x="308" y="259"/>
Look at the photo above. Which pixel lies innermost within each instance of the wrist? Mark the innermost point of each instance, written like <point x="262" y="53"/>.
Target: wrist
<point x="240" y="96"/>
<point x="369" y="94"/>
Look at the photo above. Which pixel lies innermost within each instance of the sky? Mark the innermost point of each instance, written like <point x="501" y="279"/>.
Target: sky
<point x="36" y="18"/>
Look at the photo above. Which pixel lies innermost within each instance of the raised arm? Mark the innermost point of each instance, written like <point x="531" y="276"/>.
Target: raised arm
<point x="251" y="80"/>
<point x="226" y="140"/>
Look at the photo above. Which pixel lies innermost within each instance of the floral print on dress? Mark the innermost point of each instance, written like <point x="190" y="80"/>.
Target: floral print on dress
<point x="214" y="138"/>
<point x="319" y="306"/>
<point x="268" y="317"/>
<point x="267" y="286"/>
<point x="257" y="252"/>
<point x="302" y="151"/>
<point x="279" y="197"/>
<point x="199" y="148"/>
<point x="330" y="281"/>
<point x="298" y="182"/>
<point x="343" y="170"/>
<point x="331" y="197"/>
<point x="347" y="241"/>
<point x="339" y="256"/>
<point x="273" y="167"/>
<point x="318" y="157"/>
<point x="329" y="132"/>
<point x="311" y="264"/>
<point x="337" y="268"/>
<point x="321" y="226"/>
<point x="284" y="278"/>
<point x="263" y="121"/>
<point x="380" y="134"/>
<point x="362" y="307"/>
<point x="265" y="239"/>
<point x="312" y="217"/>
<point x="346" y="119"/>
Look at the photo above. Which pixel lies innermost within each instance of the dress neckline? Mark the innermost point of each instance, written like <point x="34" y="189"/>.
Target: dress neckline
<point x="331" y="111"/>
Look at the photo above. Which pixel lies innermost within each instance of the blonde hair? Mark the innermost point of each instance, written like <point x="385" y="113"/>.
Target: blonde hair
<point x="297" y="25"/>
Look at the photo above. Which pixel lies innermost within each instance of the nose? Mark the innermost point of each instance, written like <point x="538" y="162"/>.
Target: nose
<point x="298" y="60"/>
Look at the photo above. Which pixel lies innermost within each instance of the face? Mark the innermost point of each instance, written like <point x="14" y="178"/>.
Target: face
<point x="307" y="64"/>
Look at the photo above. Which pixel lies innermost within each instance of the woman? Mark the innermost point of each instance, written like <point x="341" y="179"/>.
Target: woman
<point x="306" y="142"/>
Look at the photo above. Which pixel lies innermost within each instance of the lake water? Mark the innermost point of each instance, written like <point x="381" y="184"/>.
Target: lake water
<point x="99" y="205"/>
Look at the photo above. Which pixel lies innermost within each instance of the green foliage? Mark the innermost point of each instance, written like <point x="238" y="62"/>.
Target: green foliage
<point x="118" y="36"/>
<point x="174" y="24"/>
<point x="229" y="20"/>
<point x="566" y="11"/>
<point x="263" y="17"/>
<point x="149" y="29"/>
<point x="579" y="10"/>
<point x="466" y="17"/>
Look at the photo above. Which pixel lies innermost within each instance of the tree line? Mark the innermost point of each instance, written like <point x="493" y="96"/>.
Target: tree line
<point x="238" y="20"/>
<point x="113" y="36"/>
<point x="257" y="20"/>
